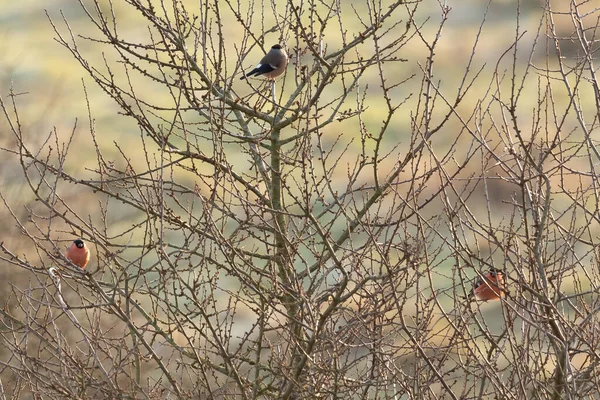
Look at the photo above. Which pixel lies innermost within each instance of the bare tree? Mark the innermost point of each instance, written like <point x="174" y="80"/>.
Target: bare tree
<point x="314" y="236"/>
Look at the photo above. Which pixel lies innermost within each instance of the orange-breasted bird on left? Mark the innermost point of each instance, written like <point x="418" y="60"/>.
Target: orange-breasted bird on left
<point x="78" y="253"/>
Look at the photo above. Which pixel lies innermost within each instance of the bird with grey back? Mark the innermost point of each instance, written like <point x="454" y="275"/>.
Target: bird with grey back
<point x="272" y="64"/>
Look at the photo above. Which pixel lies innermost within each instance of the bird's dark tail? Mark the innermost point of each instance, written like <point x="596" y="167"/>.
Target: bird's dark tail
<point x="249" y="74"/>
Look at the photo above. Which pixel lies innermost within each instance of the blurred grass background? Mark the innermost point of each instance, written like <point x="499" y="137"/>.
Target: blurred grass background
<point x="32" y="62"/>
<point x="50" y="87"/>
<point x="50" y="82"/>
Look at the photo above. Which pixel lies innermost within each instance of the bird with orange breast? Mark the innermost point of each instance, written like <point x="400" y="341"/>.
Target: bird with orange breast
<point x="78" y="253"/>
<point x="488" y="287"/>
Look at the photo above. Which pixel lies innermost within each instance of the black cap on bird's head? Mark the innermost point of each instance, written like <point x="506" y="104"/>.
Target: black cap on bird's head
<point x="491" y="274"/>
<point x="496" y="271"/>
<point x="79" y="243"/>
<point x="276" y="47"/>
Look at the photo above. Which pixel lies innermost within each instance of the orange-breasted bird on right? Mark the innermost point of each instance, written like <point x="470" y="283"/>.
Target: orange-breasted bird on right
<point x="488" y="287"/>
<point x="78" y="253"/>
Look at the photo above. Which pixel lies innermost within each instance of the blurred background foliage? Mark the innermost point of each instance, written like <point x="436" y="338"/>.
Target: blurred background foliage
<point x="50" y="89"/>
<point x="50" y="83"/>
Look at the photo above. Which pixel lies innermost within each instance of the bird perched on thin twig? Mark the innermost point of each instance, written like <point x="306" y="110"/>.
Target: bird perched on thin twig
<point x="488" y="287"/>
<point x="272" y="64"/>
<point x="78" y="253"/>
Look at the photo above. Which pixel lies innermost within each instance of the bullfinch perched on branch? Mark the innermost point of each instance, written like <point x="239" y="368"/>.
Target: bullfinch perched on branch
<point x="78" y="253"/>
<point x="272" y="64"/>
<point x="488" y="287"/>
